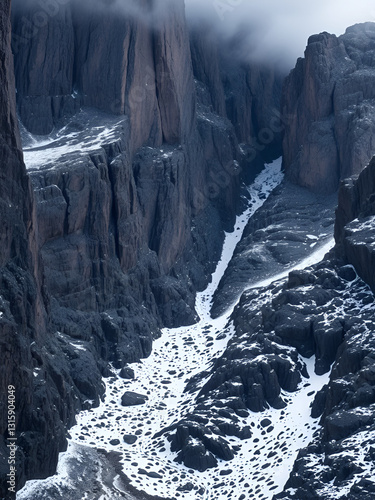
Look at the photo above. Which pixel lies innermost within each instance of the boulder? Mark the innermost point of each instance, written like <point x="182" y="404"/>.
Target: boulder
<point x="127" y="373"/>
<point x="130" y="398"/>
<point x="195" y="456"/>
<point x="129" y="438"/>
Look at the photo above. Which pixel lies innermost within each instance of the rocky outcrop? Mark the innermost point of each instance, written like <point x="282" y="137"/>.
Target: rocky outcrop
<point x="271" y="244"/>
<point x="342" y="452"/>
<point x="356" y="199"/>
<point x="312" y="313"/>
<point x="358" y="248"/>
<point x="328" y="107"/>
<point x="354" y="228"/>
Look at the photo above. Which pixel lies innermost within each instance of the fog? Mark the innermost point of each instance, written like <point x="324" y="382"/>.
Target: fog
<point x="276" y="31"/>
<point x="271" y="31"/>
<point x="148" y="11"/>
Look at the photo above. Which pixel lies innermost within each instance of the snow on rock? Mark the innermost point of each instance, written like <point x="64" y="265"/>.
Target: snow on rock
<point x="81" y="136"/>
<point x="265" y="454"/>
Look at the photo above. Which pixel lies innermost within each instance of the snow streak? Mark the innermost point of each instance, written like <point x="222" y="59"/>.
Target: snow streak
<point x="177" y="355"/>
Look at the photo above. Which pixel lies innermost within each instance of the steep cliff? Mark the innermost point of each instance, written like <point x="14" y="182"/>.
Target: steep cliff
<point x="354" y="229"/>
<point x="172" y="158"/>
<point x="131" y="187"/>
<point x="328" y="107"/>
<point x="247" y="94"/>
<point x="43" y="38"/>
<point x="149" y="130"/>
<point x="23" y="320"/>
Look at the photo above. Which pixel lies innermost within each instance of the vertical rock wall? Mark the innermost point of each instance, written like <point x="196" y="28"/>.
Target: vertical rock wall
<point x="329" y="109"/>
<point x="23" y="322"/>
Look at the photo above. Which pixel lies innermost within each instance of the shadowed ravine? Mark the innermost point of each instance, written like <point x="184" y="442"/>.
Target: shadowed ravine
<point x="258" y="468"/>
<point x="125" y="152"/>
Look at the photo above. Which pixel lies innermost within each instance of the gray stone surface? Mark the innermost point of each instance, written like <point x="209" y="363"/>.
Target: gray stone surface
<point x="329" y="109"/>
<point x="292" y="223"/>
<point x="116" y="239"/>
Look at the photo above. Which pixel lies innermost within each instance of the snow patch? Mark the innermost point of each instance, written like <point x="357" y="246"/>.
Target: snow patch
<point x="263" y="462"/>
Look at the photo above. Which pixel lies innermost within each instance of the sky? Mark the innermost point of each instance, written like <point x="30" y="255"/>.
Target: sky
<point x="277" y="30"/>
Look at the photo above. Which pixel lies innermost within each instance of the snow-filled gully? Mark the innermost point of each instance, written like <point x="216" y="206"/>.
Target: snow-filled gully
<point x="262" y="466"/>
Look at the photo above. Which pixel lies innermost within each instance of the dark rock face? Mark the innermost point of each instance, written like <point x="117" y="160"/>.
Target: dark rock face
<point x="43" y="44"/>
<point x="96" y="57"/>
<point x="174" y="76"/>
<point x="146" y="76"/>
<point x="271" y="244"/>
<point x="354" y="228"/>
<point x="245" y="94"/>
<point x="342" y="453"/>
<point x="117" y="237"/>
<point x="22" y="316"/>
<point x="328" y="107"/>
<point x="46" y="396"/>
<point x="248" y="95"/>
<point x="318" y="312"/>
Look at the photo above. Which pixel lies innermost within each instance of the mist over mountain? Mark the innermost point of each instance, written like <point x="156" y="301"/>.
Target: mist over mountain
<point x="148" y="12"/>
<point x="275" y="32"/>
<point x="270" y="32"/>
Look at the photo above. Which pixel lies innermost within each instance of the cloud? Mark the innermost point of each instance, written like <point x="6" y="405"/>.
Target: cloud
<point x="150" y="12"/>
<point x="270" y="31"/>
<point x="276" y="31"/>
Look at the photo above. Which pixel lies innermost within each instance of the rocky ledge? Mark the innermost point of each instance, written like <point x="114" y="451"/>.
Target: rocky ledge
<point x="354" y="228"/>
